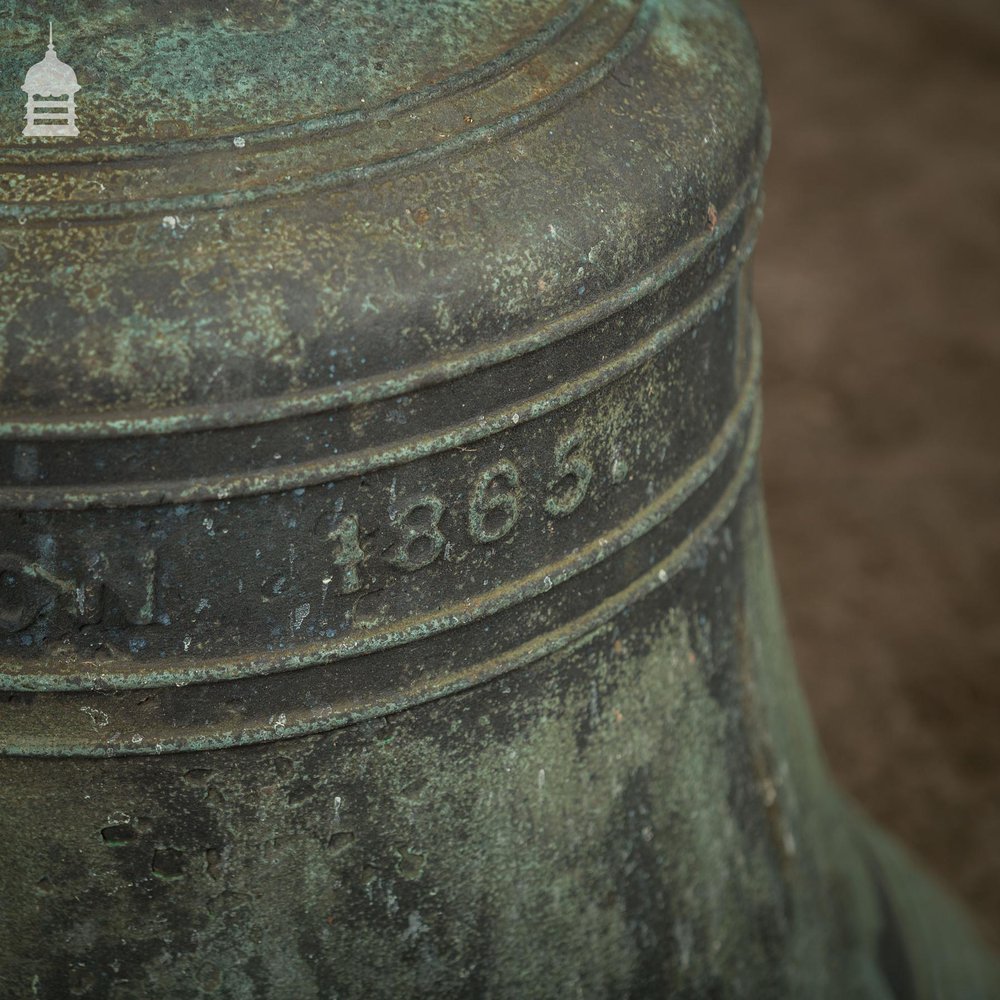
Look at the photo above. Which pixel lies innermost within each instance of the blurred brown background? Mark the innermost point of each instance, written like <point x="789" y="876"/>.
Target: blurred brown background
<point x="878" y="283"/>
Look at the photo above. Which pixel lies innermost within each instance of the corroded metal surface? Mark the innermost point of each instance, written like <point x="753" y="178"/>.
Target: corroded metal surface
<point x="384" y="597"/>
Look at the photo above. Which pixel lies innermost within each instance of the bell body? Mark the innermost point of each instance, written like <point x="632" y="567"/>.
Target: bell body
<point x="385" y="598"/>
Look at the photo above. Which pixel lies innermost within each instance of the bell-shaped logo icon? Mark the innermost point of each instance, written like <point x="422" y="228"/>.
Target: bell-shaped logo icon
<point x="51" y="86"/>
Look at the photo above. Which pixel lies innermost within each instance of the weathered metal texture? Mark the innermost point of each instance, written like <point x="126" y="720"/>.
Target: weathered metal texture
<point x="385" y="606"/>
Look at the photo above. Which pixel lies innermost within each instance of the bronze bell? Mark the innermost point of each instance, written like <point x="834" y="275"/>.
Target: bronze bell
<point x="385" y="599"/>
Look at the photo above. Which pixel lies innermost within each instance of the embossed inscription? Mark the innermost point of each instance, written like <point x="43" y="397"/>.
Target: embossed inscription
<point x="572" y="481"/>
<point x="357" y="546"/>
<point x="421" y="541"/>
<point x="347" y="553"/>
<point x="95" y="594"/>
<point x="494" y="509"/>
<point x="495" y="505"/>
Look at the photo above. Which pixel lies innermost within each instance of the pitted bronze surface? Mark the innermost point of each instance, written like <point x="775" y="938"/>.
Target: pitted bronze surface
<point x="386" y="442"/>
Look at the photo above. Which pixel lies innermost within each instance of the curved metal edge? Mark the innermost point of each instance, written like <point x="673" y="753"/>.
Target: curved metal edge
<point x="347" y="176"/>
<point x="385" y="386"/>
<point x="134" y="153"/>
<point x="399" y="453"/>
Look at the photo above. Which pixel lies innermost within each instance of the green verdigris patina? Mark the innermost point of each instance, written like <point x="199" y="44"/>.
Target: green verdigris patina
<point x="385" y="605"/>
